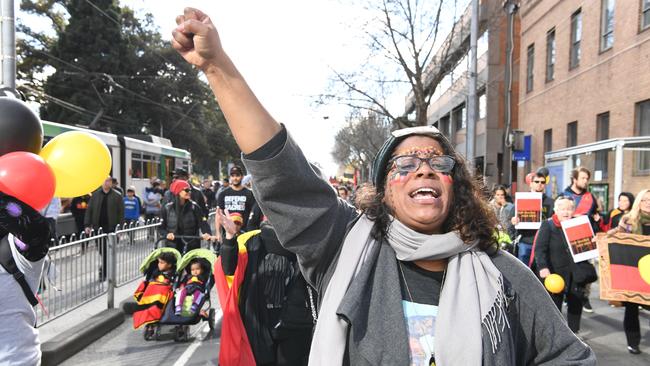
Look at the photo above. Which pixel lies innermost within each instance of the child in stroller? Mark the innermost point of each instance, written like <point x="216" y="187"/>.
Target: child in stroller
<point x="155" y="291"/>
<point x="195" y="285"/>
<point x="192" y="293"/>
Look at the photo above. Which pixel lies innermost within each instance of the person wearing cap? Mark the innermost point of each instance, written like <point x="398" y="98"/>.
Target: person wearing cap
<point x="183" y="217"/>
<point x="236" y="198"/>
<point x="132" y="206"/>
<point x="196" y="195"/>
<point x="416" y="277"/>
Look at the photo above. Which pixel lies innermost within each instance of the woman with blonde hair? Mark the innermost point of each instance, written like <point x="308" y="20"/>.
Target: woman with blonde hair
<point x="637" y="221"/>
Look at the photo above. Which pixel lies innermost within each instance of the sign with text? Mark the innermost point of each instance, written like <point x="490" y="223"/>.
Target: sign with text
<point x="579" y="235"/>
<point x="620" y="276"/>
<point x="528" y="210"/>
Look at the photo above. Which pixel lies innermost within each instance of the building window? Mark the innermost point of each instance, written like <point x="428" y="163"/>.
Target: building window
<point x="602" y="133"/>
<point x="530" y="65"/>
<point x="482" y="105"/>
<point x="607" y="25"/>
<point x="645" y="14"/>
<point x="459" y="117"/>
<point x="444" y="125"/>
<point x="572" y="134"/>
<point x="548" y="140"/>
<point x="550" y="55"/>
<point x="576" y="37"/>
<point x="643" y="129"/>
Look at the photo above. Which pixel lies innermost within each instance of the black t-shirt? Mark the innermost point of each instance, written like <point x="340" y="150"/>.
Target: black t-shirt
<point x="423" y="285"/>
<point x="237" y="201"/>
<point x="646" y="229"/>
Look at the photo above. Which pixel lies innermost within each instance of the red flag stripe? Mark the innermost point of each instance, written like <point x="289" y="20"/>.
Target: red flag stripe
<point x="628" y="278"/>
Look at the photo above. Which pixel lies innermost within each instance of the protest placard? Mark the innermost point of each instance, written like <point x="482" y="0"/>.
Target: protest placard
<point x="579" y="235"/>
<point x="620" y="275"/>
<point x="528" y="210"/>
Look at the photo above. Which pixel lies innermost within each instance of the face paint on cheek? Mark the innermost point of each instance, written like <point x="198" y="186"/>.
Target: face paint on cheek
<point x="398" y="177"/>
<point x="446" y="178"/>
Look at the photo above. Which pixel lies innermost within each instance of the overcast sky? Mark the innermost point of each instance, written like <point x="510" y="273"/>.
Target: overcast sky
<point x="284" y="49"/>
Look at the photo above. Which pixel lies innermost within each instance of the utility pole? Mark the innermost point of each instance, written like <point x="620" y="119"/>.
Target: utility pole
<point x="472" y="100"/>
<point x="8" y="39"/>
<point x="511" y="7"/>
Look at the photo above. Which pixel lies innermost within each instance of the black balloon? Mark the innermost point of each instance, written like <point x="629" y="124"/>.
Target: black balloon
<point x="543" y="170"/>
<point x="20" y="128"/>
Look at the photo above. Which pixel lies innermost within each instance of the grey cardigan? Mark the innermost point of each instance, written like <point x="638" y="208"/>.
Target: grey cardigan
<point x="312" y="222"/>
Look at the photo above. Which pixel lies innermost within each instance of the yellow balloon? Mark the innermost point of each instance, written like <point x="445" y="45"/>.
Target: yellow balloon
<point x="644" y="268"/>
<point x="554" y="283"/>
<point x="80" y="161"/>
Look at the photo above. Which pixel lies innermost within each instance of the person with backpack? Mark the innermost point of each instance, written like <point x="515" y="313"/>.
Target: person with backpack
<point x="271" y="299"/>
<point x="24" y="241"/>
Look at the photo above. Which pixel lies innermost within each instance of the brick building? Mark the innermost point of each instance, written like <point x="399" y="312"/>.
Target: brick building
<point x="585" y="91"/>
<point x="448" y="108"/>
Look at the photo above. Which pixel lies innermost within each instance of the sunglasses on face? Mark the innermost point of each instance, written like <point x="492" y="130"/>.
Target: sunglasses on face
<point x="187" y="190"/>
<point x="411" y="163"/>
<point x="539" y="181"/>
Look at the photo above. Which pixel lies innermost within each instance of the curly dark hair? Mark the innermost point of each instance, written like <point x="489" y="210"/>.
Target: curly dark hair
<point x="469" y="213"/>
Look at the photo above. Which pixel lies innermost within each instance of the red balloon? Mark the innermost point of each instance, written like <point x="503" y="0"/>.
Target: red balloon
<point x="27" y="177"/>
<point x="529" y="177"/>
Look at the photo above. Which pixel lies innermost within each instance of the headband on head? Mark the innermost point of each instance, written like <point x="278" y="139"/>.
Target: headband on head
<point x="384" y="154"/>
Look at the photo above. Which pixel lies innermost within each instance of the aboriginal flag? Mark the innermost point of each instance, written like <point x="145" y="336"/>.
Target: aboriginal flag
<point x="624" y="262"/>
<point x="235" y="349"/>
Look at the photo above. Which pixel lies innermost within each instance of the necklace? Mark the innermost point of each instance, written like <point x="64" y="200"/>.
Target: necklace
<point x="432" y="359"/>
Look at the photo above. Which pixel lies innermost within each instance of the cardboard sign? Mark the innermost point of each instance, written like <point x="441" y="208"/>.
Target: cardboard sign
<point x="528" y="209"/>
<point x="578" y="234"/>
<point x="620" y="278"/>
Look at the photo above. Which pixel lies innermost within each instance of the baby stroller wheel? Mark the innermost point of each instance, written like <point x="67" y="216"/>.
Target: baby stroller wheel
<point x="186" y="333"/>
<point x="148" y="332"/>
<point x="157" y="332"/>
<point x="211" y="319"/>
<point x="178" y="333"/>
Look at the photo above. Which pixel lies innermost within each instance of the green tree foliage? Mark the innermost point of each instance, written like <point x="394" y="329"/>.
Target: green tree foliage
<point x="102" y="66"/>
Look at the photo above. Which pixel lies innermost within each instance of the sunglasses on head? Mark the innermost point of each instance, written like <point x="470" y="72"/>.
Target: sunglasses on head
<point x="411" y="163"/>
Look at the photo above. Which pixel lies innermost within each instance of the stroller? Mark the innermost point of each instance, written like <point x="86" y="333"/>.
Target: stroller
<point x="154" y="293"/>
<point x="205" y="311"/>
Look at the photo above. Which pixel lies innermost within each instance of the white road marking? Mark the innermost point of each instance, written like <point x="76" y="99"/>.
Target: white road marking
<point x="198" y="339"/>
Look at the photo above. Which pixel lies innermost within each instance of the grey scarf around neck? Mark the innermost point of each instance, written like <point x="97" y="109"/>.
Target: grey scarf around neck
<point x="472" y="296"/>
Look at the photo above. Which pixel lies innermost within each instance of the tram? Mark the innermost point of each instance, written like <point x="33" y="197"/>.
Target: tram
<point x="135" y="161"/>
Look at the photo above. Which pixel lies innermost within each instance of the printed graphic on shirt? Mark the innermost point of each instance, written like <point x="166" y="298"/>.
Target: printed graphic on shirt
<point x="421" y="328"/>
<point x="235" y="203"/>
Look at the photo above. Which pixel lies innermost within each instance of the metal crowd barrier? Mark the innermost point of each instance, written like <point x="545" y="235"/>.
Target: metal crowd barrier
<point x="74" y="269"/>
<point x="71" y="276"/>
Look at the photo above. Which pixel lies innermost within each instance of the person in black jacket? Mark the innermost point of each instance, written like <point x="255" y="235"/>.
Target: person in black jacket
<point x="275" y="299"/>
<point x="183" y="217"/>
<point x="552" y="255"/>
<point x="195" y="194"/>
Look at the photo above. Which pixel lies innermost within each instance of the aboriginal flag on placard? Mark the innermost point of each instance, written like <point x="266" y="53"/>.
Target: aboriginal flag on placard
<point x="527" y="204"/>
<point x="624" y="267"/>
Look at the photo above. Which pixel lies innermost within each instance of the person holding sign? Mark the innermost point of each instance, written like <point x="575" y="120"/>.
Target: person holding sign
<point x="552" y="255"/>
<point x="637" y="221"/>
<point x="525" y="248"/>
